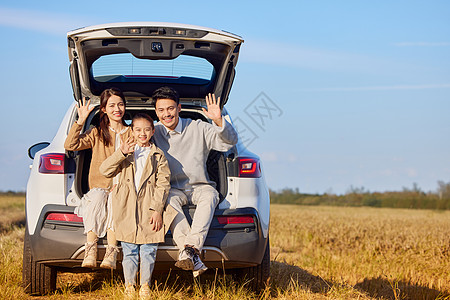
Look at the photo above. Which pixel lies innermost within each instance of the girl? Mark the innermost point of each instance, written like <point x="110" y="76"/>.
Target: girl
<point x="104" y="139"/>
<point x="139" y="200"/>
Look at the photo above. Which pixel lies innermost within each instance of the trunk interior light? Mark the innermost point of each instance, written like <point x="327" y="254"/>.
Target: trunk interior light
<point x="134" y="31"/>
<point x="52" y="163"/>
<point x="66" y="217"/>
<point x="249" y="167"/>
<point x="235" y="220"/>
<point x="180" y="32"/>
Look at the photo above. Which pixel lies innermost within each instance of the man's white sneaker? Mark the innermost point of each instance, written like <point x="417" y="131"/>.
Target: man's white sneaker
<point x="199" y="266"/>
<point x="186" y="259"/>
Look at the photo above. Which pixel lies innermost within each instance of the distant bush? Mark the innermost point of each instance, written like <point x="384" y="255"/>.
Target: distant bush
<point x="11" y="193"/>
<point x="408" y="198"/>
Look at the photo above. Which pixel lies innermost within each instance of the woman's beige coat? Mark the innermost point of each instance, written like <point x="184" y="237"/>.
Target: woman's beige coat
<point x="132" y="210"/>
<point x="91" y="140"/>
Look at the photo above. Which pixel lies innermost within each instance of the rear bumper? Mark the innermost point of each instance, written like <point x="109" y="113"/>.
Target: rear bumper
<point x="61" y="244"/>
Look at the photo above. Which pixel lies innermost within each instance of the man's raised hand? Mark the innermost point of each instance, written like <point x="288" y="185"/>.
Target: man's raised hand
<point x="213" y="112"/>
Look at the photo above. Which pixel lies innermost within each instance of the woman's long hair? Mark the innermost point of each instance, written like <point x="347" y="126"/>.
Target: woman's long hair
<point x="103" y="126"/>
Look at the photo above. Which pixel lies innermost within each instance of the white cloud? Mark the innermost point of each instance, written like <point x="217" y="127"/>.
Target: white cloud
<point x="411" y="172"/>
<point x="269" y="156"/>
<point x="387" y="172"/>
<point x="398" y="159"/>
<point x="56" y="24"/>
<point x="282" y="157"/>
<point x="292" y="158"/>
<point x="299" y="56"/>
<point x="380" y="88"/>
<point x="422" y="44"/>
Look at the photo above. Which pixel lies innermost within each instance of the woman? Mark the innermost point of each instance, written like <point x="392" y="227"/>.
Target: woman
<point x="103" y="139"/>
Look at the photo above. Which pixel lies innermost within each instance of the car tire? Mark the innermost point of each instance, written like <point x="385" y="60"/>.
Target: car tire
<point x="37" y="278"/>
<point x="255" y="278"/>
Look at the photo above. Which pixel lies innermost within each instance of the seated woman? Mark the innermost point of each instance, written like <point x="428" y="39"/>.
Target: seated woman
<point x="104" y="139"/>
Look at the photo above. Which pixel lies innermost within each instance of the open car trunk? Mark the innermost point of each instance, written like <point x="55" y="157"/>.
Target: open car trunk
<point x="140" y="57"/>
<point x="216" y="163"/>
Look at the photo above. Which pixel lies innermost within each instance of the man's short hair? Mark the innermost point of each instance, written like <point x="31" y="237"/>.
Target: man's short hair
<point x="165" y="92"/>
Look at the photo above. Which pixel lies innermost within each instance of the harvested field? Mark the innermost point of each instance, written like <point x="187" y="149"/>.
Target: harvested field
<point x="316" y="253"/>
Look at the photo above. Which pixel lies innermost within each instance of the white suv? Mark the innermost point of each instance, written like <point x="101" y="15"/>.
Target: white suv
<point x="138" y="58"/>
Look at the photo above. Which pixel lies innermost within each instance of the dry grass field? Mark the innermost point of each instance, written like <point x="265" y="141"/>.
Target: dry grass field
<point x="316" y="253"/>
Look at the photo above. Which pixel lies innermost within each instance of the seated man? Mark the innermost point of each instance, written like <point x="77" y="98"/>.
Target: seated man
<point x="186" y="144"/>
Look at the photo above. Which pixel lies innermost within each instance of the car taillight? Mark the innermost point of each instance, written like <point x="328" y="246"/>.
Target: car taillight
<point x="52" y="163"/>
<point x="235" y="220"/>
<point x="249" y="167"/>
<point x="67" y="217"/>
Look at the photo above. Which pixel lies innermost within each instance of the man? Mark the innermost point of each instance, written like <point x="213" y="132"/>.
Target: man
<point x="186" y="144"/>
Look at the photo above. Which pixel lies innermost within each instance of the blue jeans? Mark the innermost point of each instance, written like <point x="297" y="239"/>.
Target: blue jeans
<point x="131" y="254"/>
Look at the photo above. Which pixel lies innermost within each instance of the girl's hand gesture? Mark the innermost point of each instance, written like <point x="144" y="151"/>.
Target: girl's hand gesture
<point x="83" y="110"/>
<point x="213" y="112"/>
<point x="156" y="221"/>
<point x="127" y="146"/>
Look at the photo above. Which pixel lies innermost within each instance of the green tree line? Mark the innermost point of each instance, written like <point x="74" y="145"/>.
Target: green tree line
<point x="407" y="198"/>
<point x="12" y="193"/>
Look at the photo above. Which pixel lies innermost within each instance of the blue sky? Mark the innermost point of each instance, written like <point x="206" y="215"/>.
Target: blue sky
<point x="362" y="88"/>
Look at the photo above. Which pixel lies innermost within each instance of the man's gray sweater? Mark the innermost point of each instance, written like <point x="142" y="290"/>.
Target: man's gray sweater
<point x="187" y="150"/>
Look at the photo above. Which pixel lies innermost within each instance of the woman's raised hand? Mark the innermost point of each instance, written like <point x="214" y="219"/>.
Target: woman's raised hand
<point x="83" y="110"/>
<point x="127" y="146"/>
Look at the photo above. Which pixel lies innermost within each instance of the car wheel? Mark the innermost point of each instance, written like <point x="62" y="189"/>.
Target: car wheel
<point x="37" y="278"/>
<point x="255" y="278"/>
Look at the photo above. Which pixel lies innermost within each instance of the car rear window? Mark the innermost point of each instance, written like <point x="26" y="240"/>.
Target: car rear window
<point x="125" y="66"/>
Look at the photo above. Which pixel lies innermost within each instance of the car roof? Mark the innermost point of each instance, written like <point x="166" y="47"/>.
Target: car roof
<point x="152" y="24"/>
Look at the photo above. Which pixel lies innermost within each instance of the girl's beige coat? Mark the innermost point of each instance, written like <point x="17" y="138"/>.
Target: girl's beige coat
<point x="132" y="210"/>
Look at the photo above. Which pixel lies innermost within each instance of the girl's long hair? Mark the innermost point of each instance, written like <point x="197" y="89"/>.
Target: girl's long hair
<point x="103" y="126"/>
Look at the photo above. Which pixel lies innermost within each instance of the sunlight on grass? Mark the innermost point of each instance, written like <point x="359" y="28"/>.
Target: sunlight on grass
<point x="316" y="253"/>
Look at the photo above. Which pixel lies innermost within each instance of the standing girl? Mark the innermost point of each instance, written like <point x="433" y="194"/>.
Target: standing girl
<point x="139" y="201"/>
<point x="103" y="139"/>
